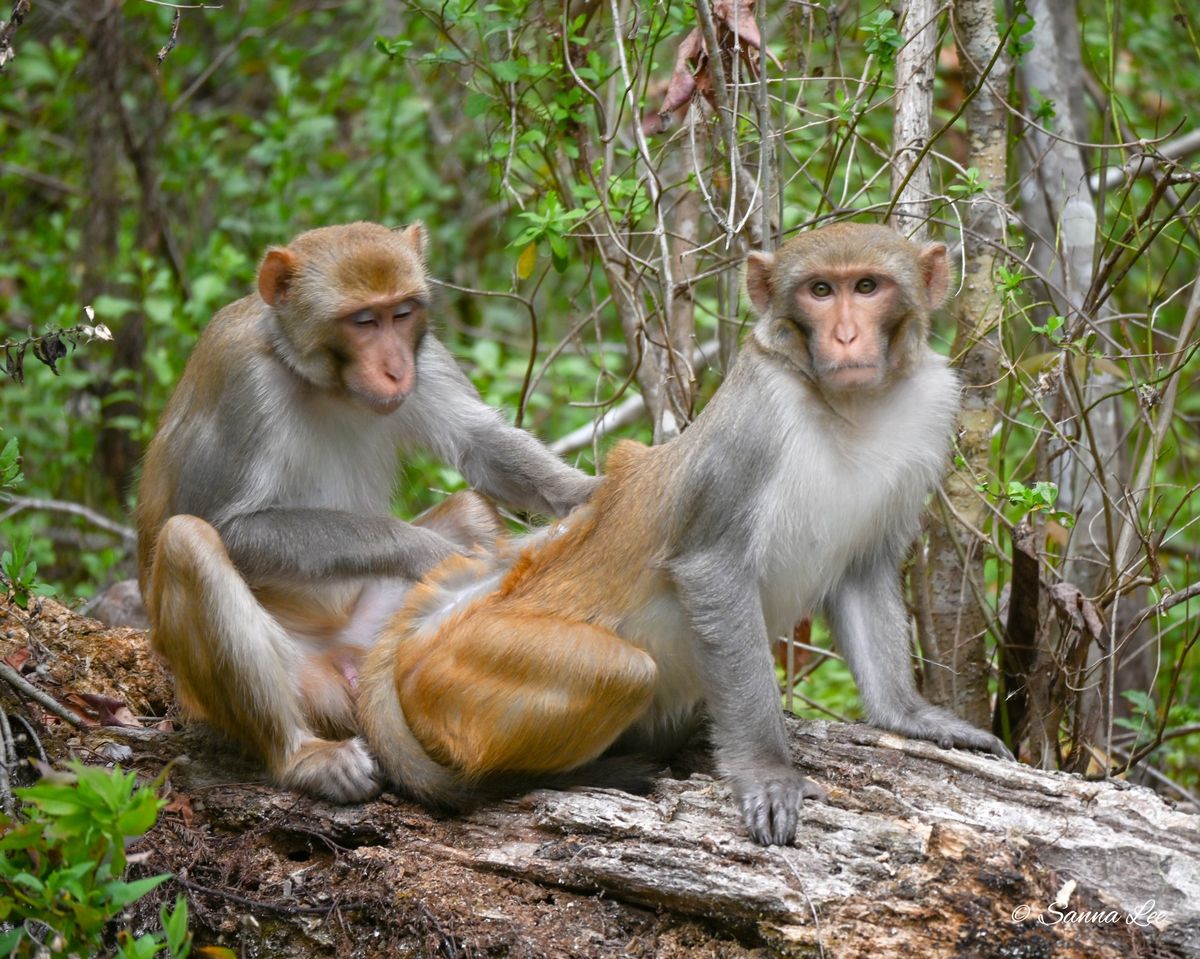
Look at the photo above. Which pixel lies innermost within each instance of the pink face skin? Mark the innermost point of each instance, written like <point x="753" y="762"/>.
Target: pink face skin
<point x="380" y="344"/>
<point x="847" y="313"/>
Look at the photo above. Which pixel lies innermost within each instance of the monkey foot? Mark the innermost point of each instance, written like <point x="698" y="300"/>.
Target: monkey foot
<point x="949" y="731"/>
<point x="771" y="807"/>
<point x="342" y="772"/>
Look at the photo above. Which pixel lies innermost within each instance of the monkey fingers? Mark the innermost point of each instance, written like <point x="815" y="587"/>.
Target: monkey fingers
<point x="496" y="691"/>
<point x="771" y="807"/>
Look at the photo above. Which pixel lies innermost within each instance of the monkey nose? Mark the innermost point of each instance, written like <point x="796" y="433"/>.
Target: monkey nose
<point x="845" y="335"/>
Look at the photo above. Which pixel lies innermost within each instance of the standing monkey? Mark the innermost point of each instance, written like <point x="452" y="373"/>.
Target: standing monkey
<point x="798" y="489"/>
<point x="264" y="507"/>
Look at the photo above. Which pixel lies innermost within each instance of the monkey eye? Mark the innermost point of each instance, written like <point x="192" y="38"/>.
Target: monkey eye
<point x="820" y="289"/>
<point x="401" y="310"/>
<point x="865" y="285"/>
<point x="363" y="318"/>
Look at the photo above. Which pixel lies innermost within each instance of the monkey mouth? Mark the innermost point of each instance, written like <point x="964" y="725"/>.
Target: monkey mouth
<point x="852" y="375"/>
<point x="381" y="404"/>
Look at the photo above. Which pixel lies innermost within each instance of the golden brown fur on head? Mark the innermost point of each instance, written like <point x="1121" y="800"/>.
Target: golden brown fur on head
<point x="357" y="262"/>
<point x="326" y="276"/>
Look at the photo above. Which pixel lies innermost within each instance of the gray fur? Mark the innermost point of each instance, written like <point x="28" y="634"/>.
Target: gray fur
<point x="299" y="482"/>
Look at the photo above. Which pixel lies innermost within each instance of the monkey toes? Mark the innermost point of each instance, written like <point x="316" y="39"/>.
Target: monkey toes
<point x="342" y="772"/>
<point x="948" y="731"/>
<point x="771" y="807"/>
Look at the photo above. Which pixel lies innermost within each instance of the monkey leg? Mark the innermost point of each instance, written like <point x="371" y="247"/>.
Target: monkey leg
<point x="497" y="691"/>
<point x="234" y="663"/>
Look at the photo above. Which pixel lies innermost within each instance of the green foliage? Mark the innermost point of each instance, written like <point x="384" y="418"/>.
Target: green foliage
<point x="18" y="573"/>
<point x="62" y="865"/>
<point x="550" y="222"/>
<point x="18" y="570"/>
<point x="967" y="184"/>
<point x="1019" y="42"/>
<point x="10" y="465"/>
<point x="1052" y="329"/>
<point x="1038" y="498"/>
<point x="883" y="39"/>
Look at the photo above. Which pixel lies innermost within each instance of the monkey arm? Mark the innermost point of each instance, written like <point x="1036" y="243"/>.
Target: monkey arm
<point x="742" y="694"/>
<point x="446" y="415"/>
<point x="867" y="616"/>
<point x="291" y="542"/>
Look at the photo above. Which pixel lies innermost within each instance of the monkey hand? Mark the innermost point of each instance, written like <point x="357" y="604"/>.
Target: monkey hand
<point x="938" y="725"/>
<point x="342" y="772"/>
<point x="771" y="804"/>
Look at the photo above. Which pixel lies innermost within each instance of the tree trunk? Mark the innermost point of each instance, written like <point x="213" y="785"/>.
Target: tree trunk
<point x="957" y="670"/>
<point x="912" y="124"/>
<point x="1084" y="459"/>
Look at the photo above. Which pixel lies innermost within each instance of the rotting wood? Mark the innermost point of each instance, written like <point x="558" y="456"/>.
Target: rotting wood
<point x="918" y="851"/>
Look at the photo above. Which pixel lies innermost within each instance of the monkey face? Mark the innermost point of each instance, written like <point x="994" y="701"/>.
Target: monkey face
<point x="848" y="304"/>
<point x="847" y="315"/>
<point x="375" y="352"/>
<point x="350" y="305"/>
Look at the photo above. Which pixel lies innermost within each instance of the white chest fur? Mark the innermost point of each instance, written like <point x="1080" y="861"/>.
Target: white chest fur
<point x="849" y="478"/>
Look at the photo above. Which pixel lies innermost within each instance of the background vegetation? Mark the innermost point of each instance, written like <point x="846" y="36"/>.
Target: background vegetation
<point x="588" y="245"/>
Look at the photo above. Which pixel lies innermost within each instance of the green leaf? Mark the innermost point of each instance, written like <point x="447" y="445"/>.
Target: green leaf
<point x="507" y="71"/>
<point x="121" y="894"/>
<point x="10" y="940"/>
<point x="476" y="104"/>
<point x="175" y="925"/>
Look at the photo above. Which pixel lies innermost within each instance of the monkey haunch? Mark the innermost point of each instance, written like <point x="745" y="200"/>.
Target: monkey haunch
<point x="797" y="489"/>
<point x="264" y="526"/>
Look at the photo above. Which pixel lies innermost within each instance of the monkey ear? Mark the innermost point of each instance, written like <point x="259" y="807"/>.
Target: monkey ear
<point x="935" y="271"/>
<point x="415" y="236"/>
<point x="275" y="275"/>
<point x="759" y="266"/>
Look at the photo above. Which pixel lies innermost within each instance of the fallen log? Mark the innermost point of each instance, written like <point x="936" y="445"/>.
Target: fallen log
<point x="916" y="852"/>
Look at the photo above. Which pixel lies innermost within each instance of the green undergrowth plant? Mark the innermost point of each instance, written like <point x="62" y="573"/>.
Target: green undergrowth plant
<point x="62" y="869"/>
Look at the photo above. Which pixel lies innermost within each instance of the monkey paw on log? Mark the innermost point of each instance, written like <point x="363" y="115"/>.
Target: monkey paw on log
<point x="797" y="489"/>
<point x="267" y="548"/>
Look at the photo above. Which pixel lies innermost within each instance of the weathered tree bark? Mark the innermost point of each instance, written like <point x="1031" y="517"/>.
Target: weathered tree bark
<point x="958" y="669"/>
<point x="917" y="852"/>
<point x="117" y="453"/>
<point x="1084" y="458"/>
<point x="913" y="122"/>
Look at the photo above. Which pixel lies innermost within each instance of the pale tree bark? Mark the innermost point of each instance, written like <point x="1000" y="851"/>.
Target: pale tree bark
<point x="957" y="666"/>
<point x="1084" y="450"/>
<point x="912" y="124"/>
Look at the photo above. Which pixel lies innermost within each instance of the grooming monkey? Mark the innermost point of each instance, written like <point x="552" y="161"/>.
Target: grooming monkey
<point x="265" y="535"/>
<point x="798" y="489"/>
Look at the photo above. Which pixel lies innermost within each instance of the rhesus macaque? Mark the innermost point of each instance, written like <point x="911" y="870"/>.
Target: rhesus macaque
<point x="798" y="489"/>
<point x="265" y="532"/>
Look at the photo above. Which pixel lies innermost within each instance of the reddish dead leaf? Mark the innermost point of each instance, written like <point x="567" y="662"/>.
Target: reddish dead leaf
<point x="77" y="704"/>
<point x="682" y="86"/>
<point x="109" y="711"/>
<point x="164" y="726"/>
<point x="1071" y="604"/>
<point x="18" y="658"/>
<point x="733" y="23"/>
<point x="738" y="16"/>
<point x="181" y="804"/>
